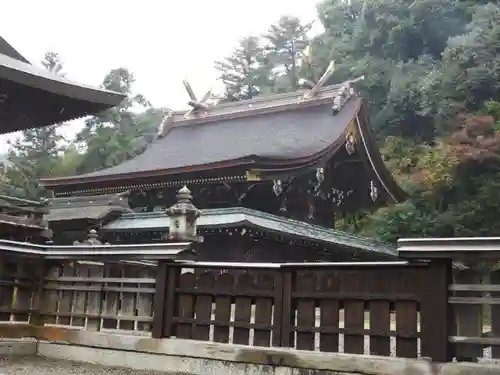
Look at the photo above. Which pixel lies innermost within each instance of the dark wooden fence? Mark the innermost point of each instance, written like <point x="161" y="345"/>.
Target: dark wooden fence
<point x="406" y="309"/>
<point x="364" y="308"/>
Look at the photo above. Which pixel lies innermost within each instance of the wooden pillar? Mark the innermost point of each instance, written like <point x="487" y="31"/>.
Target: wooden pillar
<point x="38" y="284"/>
<point x="435" y="311"/>
<point x="159" y="299"/>
<point x="167" y="277"/>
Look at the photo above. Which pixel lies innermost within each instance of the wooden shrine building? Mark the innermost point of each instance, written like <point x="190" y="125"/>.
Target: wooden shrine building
<point x="71" y="218"/>
<point x="270" y="175"/>
<point x="32" y="97"/>
<point x="308" y="155"/>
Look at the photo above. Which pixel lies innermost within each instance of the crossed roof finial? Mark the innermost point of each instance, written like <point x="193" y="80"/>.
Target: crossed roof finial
<point x="193" y="102"/>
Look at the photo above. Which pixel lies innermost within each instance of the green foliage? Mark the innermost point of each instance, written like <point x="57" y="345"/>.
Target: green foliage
<point x="245" y="72"/>
<point x="286" y="43"/>
<point x="453" y="184"/>
<point x="117" y="134"/>
<point x="433" y="88"/>
<point x="266" y="64"/>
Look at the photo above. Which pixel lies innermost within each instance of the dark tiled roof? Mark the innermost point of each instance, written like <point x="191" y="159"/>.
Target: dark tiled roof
<point x="83" y="213"/>
<point x="239" y="216"/>
<point x="96" y="200"/>
<point x="20" y="221"/>
<point x="286" y="128"/>
<point x="8" y="50"/>
<point x="14" y="204"/>
<point x="34" y="97"/>
<point x="92" y="208"/>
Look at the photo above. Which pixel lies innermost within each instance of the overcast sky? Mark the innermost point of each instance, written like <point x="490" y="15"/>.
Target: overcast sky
<point x="161" y="42"/>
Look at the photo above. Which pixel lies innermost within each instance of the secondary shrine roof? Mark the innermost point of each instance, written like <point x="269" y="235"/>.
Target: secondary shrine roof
<point x="34" y="97"/>
<point x="240" y="216"/>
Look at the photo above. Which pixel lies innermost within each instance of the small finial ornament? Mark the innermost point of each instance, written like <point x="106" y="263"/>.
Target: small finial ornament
<point x="277" y="187"/>
<point x="350" y="144"/>
<point x="320" y="177"/>
<point x="373" y="191"/>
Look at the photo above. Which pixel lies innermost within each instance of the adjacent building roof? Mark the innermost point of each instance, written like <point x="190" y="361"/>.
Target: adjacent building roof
<point x="19" y="205"/>
<point x="239" y="216"/>
<point x="94" y="208"/>
<point x="106" y="252"/>
<point x="33" y="97"/>
<point x="265" y="137"/>
<point x="22" y="213"/>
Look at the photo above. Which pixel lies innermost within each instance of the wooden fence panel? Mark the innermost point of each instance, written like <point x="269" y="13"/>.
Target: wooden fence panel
<point x="264" y="309"/>
<point x="6" y="290"/>
<point x="329" y="313"/>
<point x="306" y="311"/>
<point x="352" y="308"/>
<point x="25" y="278"/>
<point x="225" y="305"/>
<point x="80" y="297"/>
<point x="380" y="316"/>
<point x="224" y="286"/>
<point x="494" y="314"/>
<point x="66" y="293"/>
<point x="50" y="298"/>
<point x="95" y="298"/>
<point x="475" y="301"/>
<point x="406" y="315"/>
<point x="352" y="283"/>
<point x="203" y="307"/>
<point x="243" y="310"/>
<point x="91" y="296"/>
<point x="185" y="302"/>
<point x="19" y="278"/>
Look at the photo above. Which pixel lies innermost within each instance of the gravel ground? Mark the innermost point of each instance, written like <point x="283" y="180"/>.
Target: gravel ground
<point x="43" y="366"/>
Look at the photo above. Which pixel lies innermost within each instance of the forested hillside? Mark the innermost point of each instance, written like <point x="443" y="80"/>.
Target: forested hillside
<point x="432" y="84"/>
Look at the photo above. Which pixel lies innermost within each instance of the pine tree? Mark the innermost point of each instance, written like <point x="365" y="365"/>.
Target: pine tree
<point x="245" y="73"/>
<point x="286" y="42"/>
<point x="117" y="134"/>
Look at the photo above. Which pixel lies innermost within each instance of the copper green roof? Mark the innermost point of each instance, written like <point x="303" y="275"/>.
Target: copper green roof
<point x="244" y="217"/>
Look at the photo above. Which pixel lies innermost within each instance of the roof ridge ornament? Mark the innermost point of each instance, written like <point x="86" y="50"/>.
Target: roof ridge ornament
<point x="193" y="102"/>
<point x="344" y="93"/>
<point x="314" y="89"/>
<point x="166" y="123"/>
